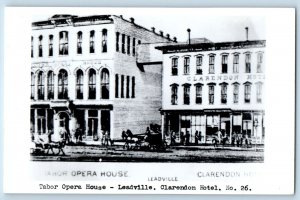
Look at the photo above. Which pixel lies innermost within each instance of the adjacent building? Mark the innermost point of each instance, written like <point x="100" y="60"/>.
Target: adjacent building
<point x="210" y="87"/>
<point x="94" y="73"/>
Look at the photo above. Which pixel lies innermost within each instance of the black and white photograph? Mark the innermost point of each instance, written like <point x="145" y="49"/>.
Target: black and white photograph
<point x="149" y="100"/>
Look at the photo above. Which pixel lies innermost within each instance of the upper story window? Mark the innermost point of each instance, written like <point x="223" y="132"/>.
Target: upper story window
<point x="223" y="93"/>
<point x="133" y="87"/>
<point x="79" y="42"/>
<point x="259" y="92"/>
<point x="92" y="84"/>
<point x="133" y="46"/>
<point x="186" y="94"/>
<point x="174" y="66"/>
<point x="247" y="92"/>
<point x="186" y="65"/>
<point x="259" y="62"/>
<point x="211" y="69"/>
<point x="104" y="40"/>
<point x="123" y="43"/>
<point x="50" y="45"/>
<point x="105" y="84"/>
<point x="127" y="86"/>
<point x="50" y="85"/>
<point x="236" y="93"/>
<point x="198" y="93"/>
<point x="224" y="64"/>
<point x="236" y="63"/>
<point x="199" y="64"/>
<point x="128" y="44"/>
<point x="122" y="86"/>
<point x="41" y="86"/>
<point x="63" y="84"/>
<point x="32" y="86"/>
<point x="31" y="47"/>
<point x="92" y="41"/>
<point x="248" y="62"/>
<point x="117" y="41"/>
<point x="174" y="95"/>
<point x="40" y="46"/>
<point x="63" y="43"/>
<point x="211" y="94"/>
<point x="117" y="86"/>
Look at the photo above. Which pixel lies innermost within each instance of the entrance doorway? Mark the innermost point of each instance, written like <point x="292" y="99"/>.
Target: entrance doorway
<point x="105" y="120"/>
<point x="64" y="121"/>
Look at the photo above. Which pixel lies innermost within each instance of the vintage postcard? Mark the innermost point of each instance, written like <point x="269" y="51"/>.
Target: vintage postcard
<point x="149" y="100"/>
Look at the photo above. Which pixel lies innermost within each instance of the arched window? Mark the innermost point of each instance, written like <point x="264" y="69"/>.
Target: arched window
<point x="63" y="43"/>
<point x="175" y="66"/>
<point x="211" y="69"/>
<point x="79" y="84"/>
<point x="248" y="63"/>
<point x="50" y="85"/>
<point x="235" y="93"/>
<point x="92" y="84"/>
<point x="105" y="84"/>
<point x="186" y="66"/>
<point x="32" y="86"/>
<point x="247" y="92"/>
<point x="211" y="93"/>
<point x="198" y="93"/>
<point x="63" y="84"/>
<point x="41" y="86"/>
<point x="104" y="40"/>
<point x="79" y="42"/>
<point x="223" y="93"/>
<point x="199" y="60"/>
<point x="40" y="46"/>
<point x="186" y="94"/>
<point x="236" y="63"/>
<point x="224" y="63"/>
<point x="92" y="41"/>
<point x="174" y="95"/>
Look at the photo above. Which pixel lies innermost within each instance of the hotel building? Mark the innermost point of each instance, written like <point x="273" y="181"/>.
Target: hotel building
<point x="210" y="87"/>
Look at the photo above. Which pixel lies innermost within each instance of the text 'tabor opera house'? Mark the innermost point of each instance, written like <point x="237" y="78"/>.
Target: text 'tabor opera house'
<point x="89" y="72"/>
<point x="210" y="87"/>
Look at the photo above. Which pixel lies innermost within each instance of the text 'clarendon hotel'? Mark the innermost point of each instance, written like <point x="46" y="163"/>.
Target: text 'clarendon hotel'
<point x="106" y="73"/>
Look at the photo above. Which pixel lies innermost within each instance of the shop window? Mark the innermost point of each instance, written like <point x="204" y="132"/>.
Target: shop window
<point x="174" y="91"/>
<point x="259" y="92"/>
<point x="79" y="84"/>
<point x="50" y="45"/>
<point x="174" y="66"/>
<point x="40" y="46"/>
<point x="92" y="41"/>
<point x="132" y="87"/>
<point x="104" y="40"/>
<point x="123" y="43"/>
<point x="105" y="84"/>
<point x="198" y="93"/>
<point x="117" y="41"/>
<point x="236" y="63"/>
<point x="235" y="93"/>
<point x="223" y="93"/>
<point x="224" y="64"/>
<point x="50" y="85"/>
<point x="41" y="86"/>
<point x="79" y="42"/>
<point x="41" y="121"/>
<point x="186" y="94"/>
<point x="199" y="64"/>
<point x="186" y="66"/>
<point x="62" y="84"/>
<point x="117" y="86"/>
<point x="259" y="62"/>
<point x="63" y="43"/>
<point x="128" y="44"/>
<point x="211" y="94"/>
<point x="32" y="86"/>
<point x="211" y="69"/>
<point x="92" y="84"/>
<point x="248" y="63"/>
<point x="247" y="92"/>
<point x="127" y="86"/>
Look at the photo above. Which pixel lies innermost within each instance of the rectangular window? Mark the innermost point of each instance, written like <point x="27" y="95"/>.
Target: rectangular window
<point x="174" y="94"/>
<point x="122" y="86"/>
<point x="117" y="41"/>
<point x="92" y="41"/>
<point x="211" y="69"/>
<point x="63" y="43"/>
<point x="224" y="64"/>
<point x="247" y="93"/>
<point x="41" y="46"/>
<point x="123" y="43"/>
<point x="133" y="87"/>
<point x="235" y="93"/>
<point x="79" y="42"/>
<point x="198" y="94"/>
<point x="31" y="47"/>
<point x="199" y="64"/>
<point x="104" y="40"/>
<point x="259" y="92"/>
<point x="248" y="63"/>
<point x="50" y="45"/>
<point x="117" y="86"/>
<point x="223" y="94"/>
<point x="236" y="63"/>
<point x="133" y="46"/>
<point x="127" y="86"/>
<point x="175" y="66"/>
<point x="186" y="94"/>
<point x="211" y="94"/>
<point x="186" y="67"/>
<point x="128" y="44"/>
<point x="259" y="62"/>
